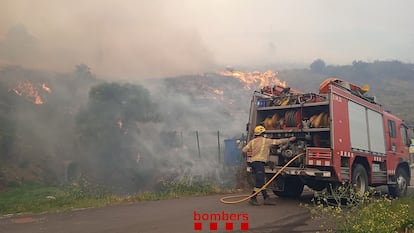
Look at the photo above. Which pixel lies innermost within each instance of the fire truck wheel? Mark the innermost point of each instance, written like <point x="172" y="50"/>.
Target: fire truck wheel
<point x="293" y="188"/>
<point x="400" y="189"/>
<point x="360" y="179"/>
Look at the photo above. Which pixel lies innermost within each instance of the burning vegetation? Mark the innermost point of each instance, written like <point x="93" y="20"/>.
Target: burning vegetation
<point x="33" y="92"/>
<point x="255" y="79"/>
<point x="121" y="125"/>
<point x="183" y="104"/>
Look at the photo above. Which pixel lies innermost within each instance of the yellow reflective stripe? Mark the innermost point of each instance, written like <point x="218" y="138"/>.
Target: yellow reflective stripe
<point x="262" y="148"/>
<point x="259" y="151"/>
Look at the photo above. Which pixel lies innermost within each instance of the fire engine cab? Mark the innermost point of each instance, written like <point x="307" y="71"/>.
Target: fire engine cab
<point x="343" y="134"/>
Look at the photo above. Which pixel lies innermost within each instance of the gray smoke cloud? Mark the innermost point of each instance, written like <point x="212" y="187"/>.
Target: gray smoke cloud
<point x="133" y="39"/>
<point x="195" y="115"/>
<point x="142" y="39"/>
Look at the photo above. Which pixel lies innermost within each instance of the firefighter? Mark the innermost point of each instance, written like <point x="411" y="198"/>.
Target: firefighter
<point x="257" y="151"/>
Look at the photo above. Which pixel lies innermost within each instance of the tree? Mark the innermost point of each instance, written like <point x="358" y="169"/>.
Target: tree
<point x="318" y="66"/>
<point x="83" y="71"/>
<point x="107" y="130"/>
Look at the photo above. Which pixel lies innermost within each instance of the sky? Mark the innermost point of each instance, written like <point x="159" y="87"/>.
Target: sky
<point x="158" y="38"/>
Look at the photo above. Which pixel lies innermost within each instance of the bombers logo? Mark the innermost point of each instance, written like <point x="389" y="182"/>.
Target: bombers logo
<point x="223" y="220"/>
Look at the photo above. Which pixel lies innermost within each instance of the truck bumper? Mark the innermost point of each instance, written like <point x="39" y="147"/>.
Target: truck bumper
<point x="297" y="171"/>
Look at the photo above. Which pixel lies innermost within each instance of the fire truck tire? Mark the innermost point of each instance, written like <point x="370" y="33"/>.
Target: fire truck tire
<point x="400" y="189"/>
<point x="360" y="179"/>
<point x="293" y="188"/>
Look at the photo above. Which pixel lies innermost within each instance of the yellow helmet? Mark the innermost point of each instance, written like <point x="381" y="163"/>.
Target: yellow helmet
<point x="259" y="130"/>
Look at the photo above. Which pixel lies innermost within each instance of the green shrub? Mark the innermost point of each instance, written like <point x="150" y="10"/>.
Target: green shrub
<point x="343" y="210"/>
<point x="186" y="186"/>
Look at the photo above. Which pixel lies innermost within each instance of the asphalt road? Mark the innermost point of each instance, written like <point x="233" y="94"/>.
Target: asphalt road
<point x="177" y="215"/>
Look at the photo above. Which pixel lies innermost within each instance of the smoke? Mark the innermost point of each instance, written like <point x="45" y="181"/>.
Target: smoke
<point x="129" y="40"/>
<point x="188" y="140"/>
<point x="41" y="130"/>
<point x="142" y="39"/>
<point x="18" y="44"/>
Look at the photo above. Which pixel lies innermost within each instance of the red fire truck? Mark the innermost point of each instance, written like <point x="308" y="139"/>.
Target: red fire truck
<point x="344" y="135"/>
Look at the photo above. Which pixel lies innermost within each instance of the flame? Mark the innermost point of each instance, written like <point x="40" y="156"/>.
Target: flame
<point x="119" y="123"/>
<point x="255" y="79"/>
<point x="31" y="91"/>
<point x="38" y="100"/>
<point x="218" y="91"/>
<point x="46" y="88"/>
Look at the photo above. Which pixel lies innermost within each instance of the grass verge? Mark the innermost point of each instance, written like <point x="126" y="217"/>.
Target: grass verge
<point x="36" y="198"/>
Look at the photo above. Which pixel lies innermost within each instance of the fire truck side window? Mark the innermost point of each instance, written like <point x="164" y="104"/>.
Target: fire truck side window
<point x="404" y="136"/>
<point x="392" y="129"/>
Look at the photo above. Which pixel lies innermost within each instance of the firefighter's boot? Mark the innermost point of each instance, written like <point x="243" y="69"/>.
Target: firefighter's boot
<point x="253" y="201"/>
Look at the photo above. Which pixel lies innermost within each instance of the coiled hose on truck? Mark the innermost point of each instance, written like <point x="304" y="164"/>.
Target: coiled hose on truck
<point x="247" y="197"/>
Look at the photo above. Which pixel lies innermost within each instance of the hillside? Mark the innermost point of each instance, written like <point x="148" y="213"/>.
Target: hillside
<point x="391" y="82"/>
<point x="60" y="127"/>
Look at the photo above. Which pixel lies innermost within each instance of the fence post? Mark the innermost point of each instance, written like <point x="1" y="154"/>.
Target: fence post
<point x="218" y="146"/>
<point x="198" y="144"/>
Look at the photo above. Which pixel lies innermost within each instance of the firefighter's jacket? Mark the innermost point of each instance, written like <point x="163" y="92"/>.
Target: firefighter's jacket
<point x="258" y="149"/>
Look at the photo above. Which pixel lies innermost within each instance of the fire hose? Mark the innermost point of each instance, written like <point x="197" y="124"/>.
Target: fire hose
<point x="247" y="197"/>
